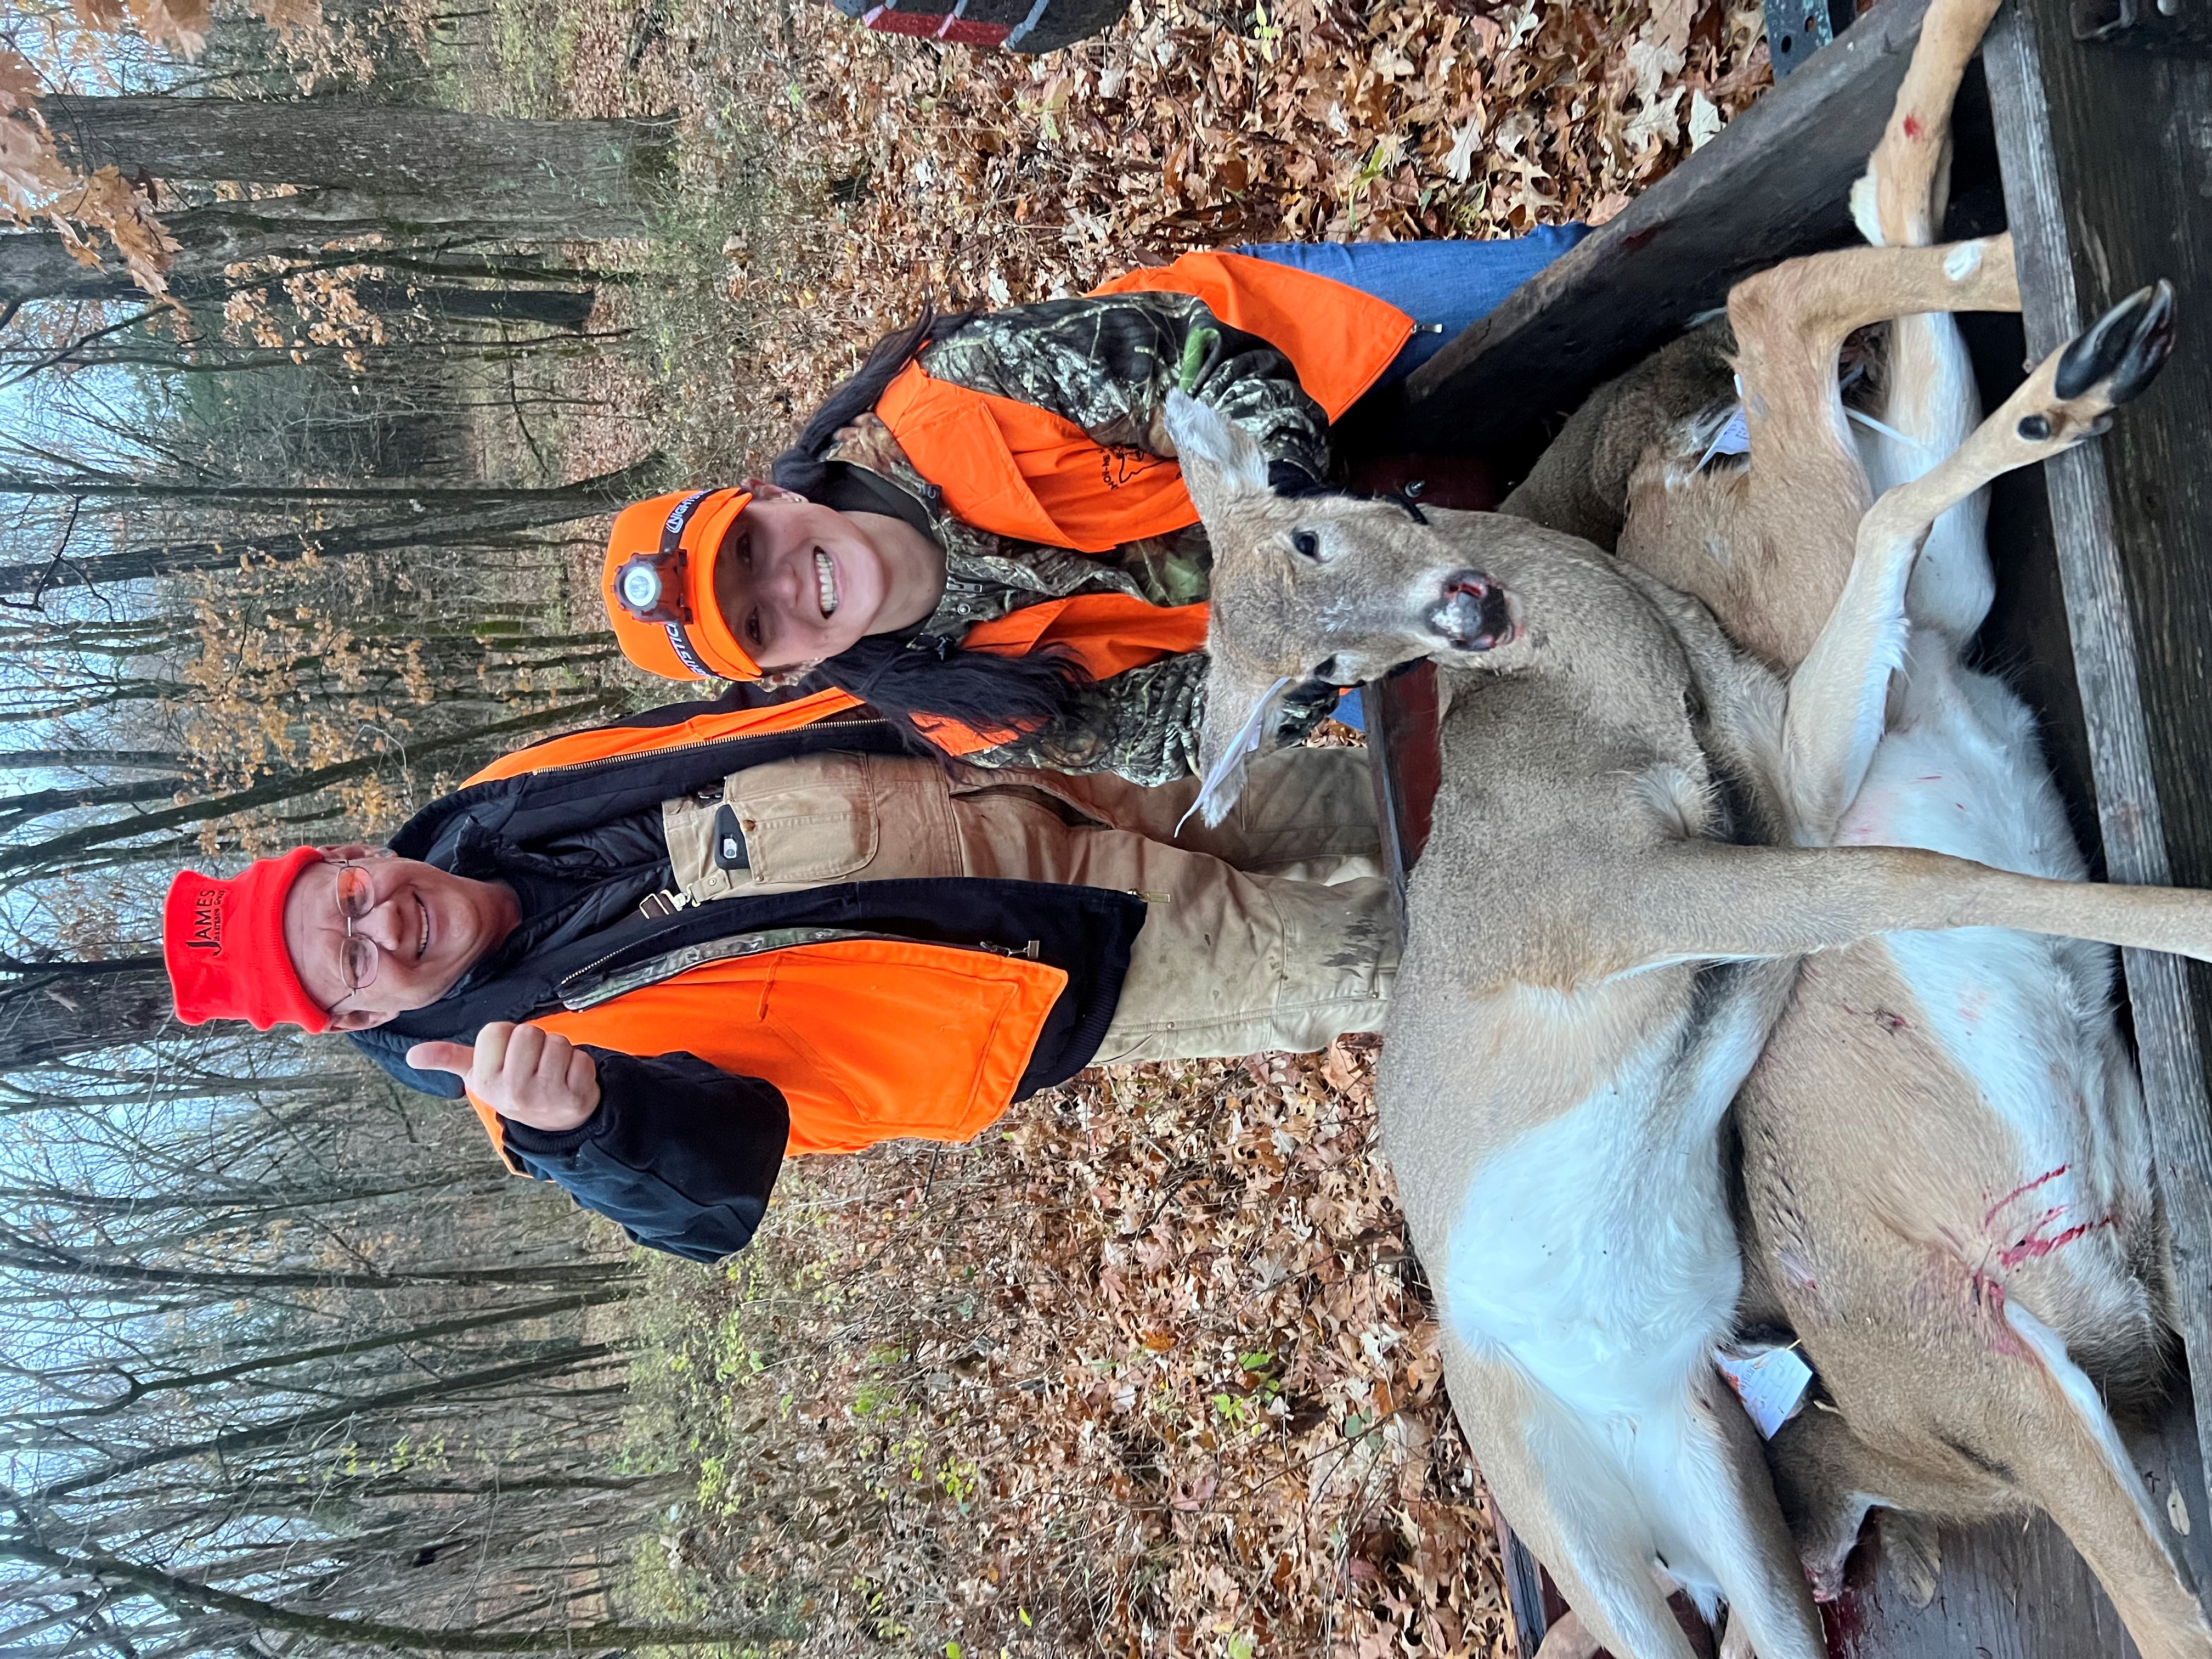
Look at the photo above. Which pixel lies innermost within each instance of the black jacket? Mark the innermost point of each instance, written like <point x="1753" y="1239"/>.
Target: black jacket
<point x="682" y="1153"/>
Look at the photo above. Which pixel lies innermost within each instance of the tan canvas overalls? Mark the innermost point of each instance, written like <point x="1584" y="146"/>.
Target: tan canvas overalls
<point x="1274" y="930"/>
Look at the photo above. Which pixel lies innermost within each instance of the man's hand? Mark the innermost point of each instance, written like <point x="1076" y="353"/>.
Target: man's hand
<point x="525" y="1075"/>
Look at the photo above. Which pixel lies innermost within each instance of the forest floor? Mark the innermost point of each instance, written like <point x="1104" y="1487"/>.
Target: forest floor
<point x="1148" y="1368"/>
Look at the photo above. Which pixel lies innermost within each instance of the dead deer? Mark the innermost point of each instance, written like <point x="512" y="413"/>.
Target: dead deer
<point x="1947" y="1187"/>
<point x="1595" y="955"/>
<point x="1559" y="1059"/>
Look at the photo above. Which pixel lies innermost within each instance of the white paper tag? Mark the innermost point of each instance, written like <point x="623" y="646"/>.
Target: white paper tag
<point x="1770" y="1382"/>
<point x="1733" y="439"/>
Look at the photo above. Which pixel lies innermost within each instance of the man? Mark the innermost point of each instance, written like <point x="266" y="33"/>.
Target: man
<point x="658" y="955"/>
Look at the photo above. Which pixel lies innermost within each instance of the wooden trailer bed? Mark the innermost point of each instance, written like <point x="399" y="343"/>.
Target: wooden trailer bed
<point x="2098" y="153"/>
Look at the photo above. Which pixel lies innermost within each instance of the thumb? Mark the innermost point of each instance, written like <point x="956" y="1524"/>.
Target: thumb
<point x="454" y="1057"/>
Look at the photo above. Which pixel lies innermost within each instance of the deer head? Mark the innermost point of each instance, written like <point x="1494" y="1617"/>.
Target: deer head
<point x="1312" y="587"/>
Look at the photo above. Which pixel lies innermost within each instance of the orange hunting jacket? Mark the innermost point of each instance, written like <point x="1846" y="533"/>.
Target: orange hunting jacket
<point x="732" y="1031"/>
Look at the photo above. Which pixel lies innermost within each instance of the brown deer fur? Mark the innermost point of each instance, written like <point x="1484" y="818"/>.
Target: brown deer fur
<point x="1629" y="859"/>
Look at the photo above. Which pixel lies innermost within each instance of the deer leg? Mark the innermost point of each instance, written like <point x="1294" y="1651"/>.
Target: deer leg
<point x="1929" y="400"/>
<point x="2069" y="1458"/>
<point x="1568" y="1501"/>
<point x="1839" y="695"/>
<point x="1900" y="201"/>
<point x="1707" y="901"/>
<point x="1790" y="323"/>
<point x="1743" y="1535"/>
<point x="1828" y="1479"/>
<point x="1966" y="1408"/>
<point x="2062" y="403"/>
<point x="1805" y="487"/>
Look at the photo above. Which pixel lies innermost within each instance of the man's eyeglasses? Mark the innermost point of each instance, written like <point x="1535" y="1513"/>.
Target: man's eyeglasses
<point x="356" y="897"/>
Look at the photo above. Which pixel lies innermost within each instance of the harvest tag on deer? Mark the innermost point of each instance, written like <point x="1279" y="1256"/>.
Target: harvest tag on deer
<point x="1733" y="439"/>
<point x="1770" y="1382"/>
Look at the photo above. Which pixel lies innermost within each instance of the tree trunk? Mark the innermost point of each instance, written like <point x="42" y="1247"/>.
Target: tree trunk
<point x="352" y="158"/>
<point x="564" y="308"/>
<point x="34" y="264"/>
<point x="183" y="1593"/>
<point x="51" y="1014"/>
<point x="473" y="516"/>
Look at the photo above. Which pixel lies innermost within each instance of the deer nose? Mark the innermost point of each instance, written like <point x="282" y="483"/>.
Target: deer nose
<point x="1473" y="613"/>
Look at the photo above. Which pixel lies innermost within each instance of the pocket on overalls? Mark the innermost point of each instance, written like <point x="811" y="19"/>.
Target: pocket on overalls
<point x="1032" y="797"/>
<point x="810" y="819"/>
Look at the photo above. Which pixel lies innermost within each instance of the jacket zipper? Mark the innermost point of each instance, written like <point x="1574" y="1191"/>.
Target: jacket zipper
<point x="680" y="748"/>
<point x="578" y="993"/>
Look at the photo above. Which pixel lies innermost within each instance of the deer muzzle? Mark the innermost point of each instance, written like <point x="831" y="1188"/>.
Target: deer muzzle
<point x="1474" y="613"/>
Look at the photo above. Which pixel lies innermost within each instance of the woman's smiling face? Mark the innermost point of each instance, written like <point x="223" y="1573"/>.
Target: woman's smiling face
<point x="797" y="581"/>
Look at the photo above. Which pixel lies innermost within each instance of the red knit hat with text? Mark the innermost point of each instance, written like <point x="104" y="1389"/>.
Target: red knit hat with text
<point x="224" y="944"/>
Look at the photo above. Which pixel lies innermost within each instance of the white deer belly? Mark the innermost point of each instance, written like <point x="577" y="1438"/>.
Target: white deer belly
<point x="1596" y="1251"/>
<point x="2025" y="1017"/>
<point x="1607" y="1269"/>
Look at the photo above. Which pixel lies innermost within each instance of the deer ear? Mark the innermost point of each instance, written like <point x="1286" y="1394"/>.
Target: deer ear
<point x="1241" y="711"/>
<point x="1218" y="461"/>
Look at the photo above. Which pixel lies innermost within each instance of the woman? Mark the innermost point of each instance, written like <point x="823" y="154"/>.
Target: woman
<point x="982" y="532"/>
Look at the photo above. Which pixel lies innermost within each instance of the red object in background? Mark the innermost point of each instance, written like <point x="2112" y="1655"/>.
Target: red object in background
<point x="960" y="31"/>
<point x="1026" y="26"/>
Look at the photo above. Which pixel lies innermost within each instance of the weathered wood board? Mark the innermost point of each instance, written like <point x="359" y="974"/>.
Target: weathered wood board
<point x="2107" y="164"/>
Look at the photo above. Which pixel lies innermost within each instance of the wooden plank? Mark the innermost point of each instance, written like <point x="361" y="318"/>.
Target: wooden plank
<point x="2007" y="1591"/>
<point x="1524" y="1583"/>
<point x="2106" y="171"/>
<point x="1775" y="184"/>
<point x="1401" y="736"/>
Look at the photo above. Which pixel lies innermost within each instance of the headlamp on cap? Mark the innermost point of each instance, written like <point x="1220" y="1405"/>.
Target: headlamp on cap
<point x="650" y="586"/>
<point x="658" y="581"/>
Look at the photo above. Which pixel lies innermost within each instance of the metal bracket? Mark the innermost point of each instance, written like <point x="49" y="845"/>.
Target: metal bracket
<point x="2180" y="27"/>
<point x="1796" y="29"/>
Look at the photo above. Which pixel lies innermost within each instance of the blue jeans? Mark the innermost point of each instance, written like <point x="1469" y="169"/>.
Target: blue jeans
<point x="1442" y="286"/>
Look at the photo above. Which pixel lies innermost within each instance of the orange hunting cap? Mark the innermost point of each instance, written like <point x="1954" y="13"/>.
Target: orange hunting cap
<point x="658" y="584"/>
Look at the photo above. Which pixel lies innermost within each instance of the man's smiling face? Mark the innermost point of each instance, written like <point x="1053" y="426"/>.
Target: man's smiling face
<point x="428" y="929"/>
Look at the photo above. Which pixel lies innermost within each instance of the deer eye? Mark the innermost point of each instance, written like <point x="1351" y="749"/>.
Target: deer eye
<point x="1305" y="544"/>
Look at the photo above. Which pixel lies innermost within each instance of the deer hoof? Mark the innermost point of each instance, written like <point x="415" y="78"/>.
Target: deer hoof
<point x="2126" y="347"/>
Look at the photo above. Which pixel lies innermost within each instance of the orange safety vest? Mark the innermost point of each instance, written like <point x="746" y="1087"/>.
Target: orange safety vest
<point x="1020" y="470"/>
<point x="868" y="1039"/>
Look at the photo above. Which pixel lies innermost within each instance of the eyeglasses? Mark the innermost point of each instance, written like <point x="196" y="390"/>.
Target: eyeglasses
<point x="356" y="897"/>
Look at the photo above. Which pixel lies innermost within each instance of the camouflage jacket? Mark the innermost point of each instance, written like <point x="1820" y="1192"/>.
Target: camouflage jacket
<point x="1106" y="363"/>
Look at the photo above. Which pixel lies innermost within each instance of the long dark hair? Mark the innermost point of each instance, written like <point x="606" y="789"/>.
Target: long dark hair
<point x="981" y="690"/>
